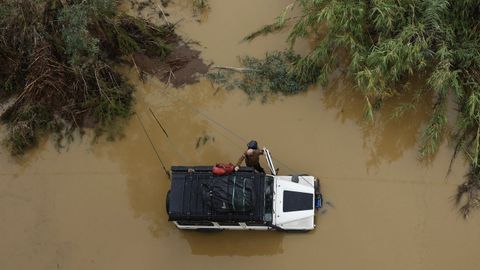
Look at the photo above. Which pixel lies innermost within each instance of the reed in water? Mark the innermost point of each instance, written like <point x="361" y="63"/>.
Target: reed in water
<point x="390" y="42"/>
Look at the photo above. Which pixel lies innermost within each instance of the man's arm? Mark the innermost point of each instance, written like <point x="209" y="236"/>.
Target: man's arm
<point x="240" y="160"/>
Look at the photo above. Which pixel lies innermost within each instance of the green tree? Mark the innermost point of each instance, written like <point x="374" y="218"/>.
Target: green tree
<point x="390" y="41"/>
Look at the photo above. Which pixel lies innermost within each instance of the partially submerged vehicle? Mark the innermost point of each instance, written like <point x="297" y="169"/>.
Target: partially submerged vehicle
<point x="242" y="200"/>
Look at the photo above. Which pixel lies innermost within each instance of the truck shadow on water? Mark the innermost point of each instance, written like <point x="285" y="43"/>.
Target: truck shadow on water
<point x="235" y="243"/>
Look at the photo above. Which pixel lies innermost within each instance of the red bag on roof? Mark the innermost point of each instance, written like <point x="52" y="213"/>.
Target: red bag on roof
<point x="223" y="169"/>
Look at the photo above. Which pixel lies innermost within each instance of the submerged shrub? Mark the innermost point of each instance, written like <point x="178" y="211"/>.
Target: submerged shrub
<point x="261" y="77"/>
<point x="57" y="57"/>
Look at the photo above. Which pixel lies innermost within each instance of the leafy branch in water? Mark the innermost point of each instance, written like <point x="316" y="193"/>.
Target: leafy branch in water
<point x="267" y="29"/>
<point x="261" y="77"/>
<point x="200" y="4"/>
<point x="56" y="74"/>
<point x="388" y="42"/>
<point x="279" y="24"/>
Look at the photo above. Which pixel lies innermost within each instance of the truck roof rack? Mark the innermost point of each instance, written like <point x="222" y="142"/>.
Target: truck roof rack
<point x="186" y="200"/>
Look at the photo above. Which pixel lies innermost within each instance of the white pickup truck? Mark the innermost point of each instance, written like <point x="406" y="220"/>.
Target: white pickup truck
<point x="243" y="200"/>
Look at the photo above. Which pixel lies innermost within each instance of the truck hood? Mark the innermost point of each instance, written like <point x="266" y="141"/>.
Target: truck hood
<point x="294" y="203"/>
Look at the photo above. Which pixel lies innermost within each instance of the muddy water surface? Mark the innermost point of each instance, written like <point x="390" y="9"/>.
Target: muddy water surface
<point x="102" y="206"/>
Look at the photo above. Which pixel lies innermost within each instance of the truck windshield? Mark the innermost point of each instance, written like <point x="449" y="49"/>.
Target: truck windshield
<point x="268" y="198"/>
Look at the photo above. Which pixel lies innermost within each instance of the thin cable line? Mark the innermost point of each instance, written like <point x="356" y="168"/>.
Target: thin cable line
<point x="174" y="146"/>
<point x="153" y="146"/>
<point x="189" y="106"/>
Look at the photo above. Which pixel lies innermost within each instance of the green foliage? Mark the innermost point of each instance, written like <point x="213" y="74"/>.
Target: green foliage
<point x="80" y="45"/>
<point x="267" y="29"/>
<point x="200" y="4"/>
<point x="432" y="135"/>
<point x="279" y="24"/>
<point x="137" y="35"/>
<point x="272" y="74"/>
<point x="115" y="102"/>
<point x="388" y="42"/>
<point x="55" y="68"/>
<point x="28" y="123"/>
<point x="224" y="78"/>
<point x="261" y="77"/>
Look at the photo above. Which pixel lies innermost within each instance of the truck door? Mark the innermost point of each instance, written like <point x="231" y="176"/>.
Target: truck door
<point x="269" y="161"/>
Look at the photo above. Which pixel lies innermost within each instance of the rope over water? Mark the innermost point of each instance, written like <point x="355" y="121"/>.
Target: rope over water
<point x="153" y="146"/>
<point x="241" y="138"/>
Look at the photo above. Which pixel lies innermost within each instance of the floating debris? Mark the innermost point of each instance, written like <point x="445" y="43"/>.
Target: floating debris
<point x="262" y="77"/>
<point x="204" y="139"/>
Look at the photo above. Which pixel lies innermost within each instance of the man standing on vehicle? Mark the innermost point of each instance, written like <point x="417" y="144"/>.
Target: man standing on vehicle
<point x="251" y="157"/>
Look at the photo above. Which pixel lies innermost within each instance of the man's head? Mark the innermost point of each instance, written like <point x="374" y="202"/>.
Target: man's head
<point x="250" y="152"/>
<point x="252" y="145"/>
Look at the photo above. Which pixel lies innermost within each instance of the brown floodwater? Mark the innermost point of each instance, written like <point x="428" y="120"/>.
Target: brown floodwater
<point x="101" y="206"/>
